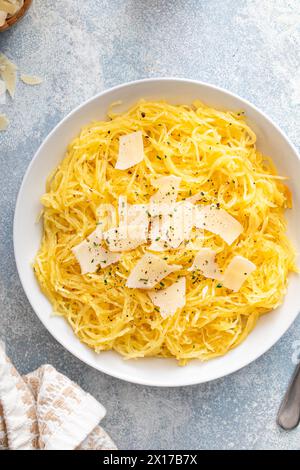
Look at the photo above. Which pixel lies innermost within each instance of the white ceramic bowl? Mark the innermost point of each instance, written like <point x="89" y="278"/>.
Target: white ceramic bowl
<point x="27" y="233"/>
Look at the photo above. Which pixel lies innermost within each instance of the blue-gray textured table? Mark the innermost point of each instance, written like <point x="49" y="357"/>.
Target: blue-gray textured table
<point x="250" y="47"/>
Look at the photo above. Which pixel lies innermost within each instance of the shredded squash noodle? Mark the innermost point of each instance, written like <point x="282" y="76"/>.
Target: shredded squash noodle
<point x="213" y="152"/>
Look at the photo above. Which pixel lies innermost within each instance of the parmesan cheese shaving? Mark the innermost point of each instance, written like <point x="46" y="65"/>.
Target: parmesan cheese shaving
<point x="131" y="150"/>
<point x="3" y="122"/>
<point x="172" y="298"/>
<point x="158" y="245"/>
<point x="196" y="241"/>
<point x="195" y="198"/>
<point x="168" y="187"/>
<point x="173" y="225"/>
<point x="218" y="221"/>
<point x="157" y="242"/>
<point x="205" y="262"/>
<point x="237" y="272"/>
<point x="95" y="237"/>
<point x="3" y="16"/>
<point x="31" y="79"/>
<point x="148" y="271"/>
<point x="8" y="72"/>
<point x="91" y="255"/>
<point x="125" y="238"/>
<point x="179" y="224"/>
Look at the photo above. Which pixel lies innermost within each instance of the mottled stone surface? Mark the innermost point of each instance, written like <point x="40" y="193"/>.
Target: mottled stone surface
<point x="250" y="47"/>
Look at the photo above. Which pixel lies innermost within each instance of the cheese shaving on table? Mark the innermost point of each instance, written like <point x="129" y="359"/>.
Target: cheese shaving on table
<point x="168" y="187"/>
<point x="31" y="79"/>
<point x="3" y="122"/>
<point x="172" y="298"/>
<point x="205" y="262"/>
<point x="91" y="255"/>
<point x="218" y="221"/>
<point x="2" y="89"/>
<point x="3" y="16"/>
<point x="8" y="72"/>
<point x="148" y="271"/>
<point x="131" y="150"/>
<point x="125" y="237"/>
<point x="237" y="272"/>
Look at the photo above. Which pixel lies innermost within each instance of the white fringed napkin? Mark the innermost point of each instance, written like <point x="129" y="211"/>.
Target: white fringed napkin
<point x="46" y="410"/>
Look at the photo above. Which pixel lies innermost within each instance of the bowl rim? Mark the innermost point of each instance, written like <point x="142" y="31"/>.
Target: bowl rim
<point x="192" y="381"/>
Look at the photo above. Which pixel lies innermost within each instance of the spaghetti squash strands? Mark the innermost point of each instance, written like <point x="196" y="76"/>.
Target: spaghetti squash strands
<point x="193" y="154"/>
